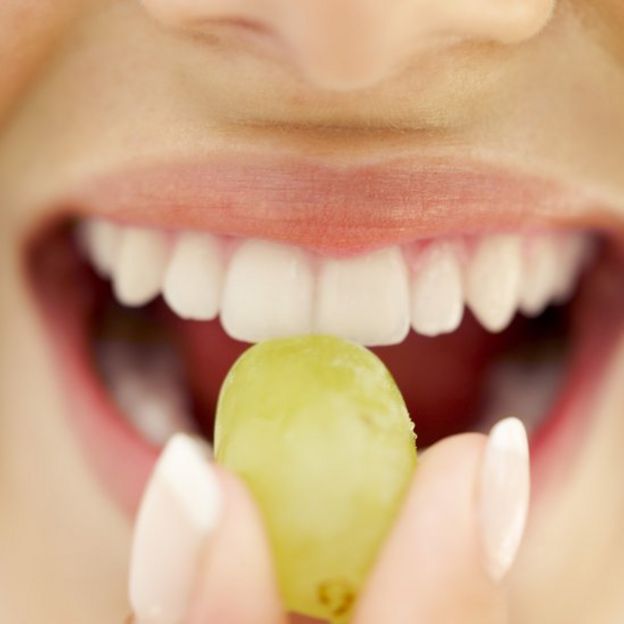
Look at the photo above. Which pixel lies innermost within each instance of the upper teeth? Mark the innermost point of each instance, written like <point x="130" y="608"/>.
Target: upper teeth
<point x="268" y="291"/>
<point x="193" y="278"/>
<point x="264" y="289"/>
<point x="141" y="258"/>
<point x="365" y="298"/>
<point x="437" y="290"/>
<point x="494" y="279"/>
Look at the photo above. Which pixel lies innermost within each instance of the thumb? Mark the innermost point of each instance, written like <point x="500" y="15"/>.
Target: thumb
<point x="457" y="535"/>
<point x="199" y="555"/>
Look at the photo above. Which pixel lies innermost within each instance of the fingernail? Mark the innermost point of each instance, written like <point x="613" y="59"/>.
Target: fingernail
<point x="504" y="495"/>
<point x="179" y="511"/>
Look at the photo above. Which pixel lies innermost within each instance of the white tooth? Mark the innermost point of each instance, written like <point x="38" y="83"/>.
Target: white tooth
<point x="365" y="298"/>
<point x="152" y="406"/>
<point x="148" y="388"/>
<point x="194" y="277"/>
<point x="493" y="280"/>
<point x="437" y="292"/>
<point x="506" y="391"/>
<point x="540" y="271"/>
<point x="101" y="241"/>
<point x="268" y="292"/>
<point x="574" y="251"/>
<point x="139" y="266"/>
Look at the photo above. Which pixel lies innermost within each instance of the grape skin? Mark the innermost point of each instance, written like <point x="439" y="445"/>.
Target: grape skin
<point x="318" y="430"/>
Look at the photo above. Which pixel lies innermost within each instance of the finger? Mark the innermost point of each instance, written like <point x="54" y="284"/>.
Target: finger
<point x="199" y="554"/>
<point x="457" y="534"/>
<point x="237" y="581"/>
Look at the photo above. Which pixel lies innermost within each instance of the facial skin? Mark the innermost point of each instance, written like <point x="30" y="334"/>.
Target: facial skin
<point x="90" y="85"/>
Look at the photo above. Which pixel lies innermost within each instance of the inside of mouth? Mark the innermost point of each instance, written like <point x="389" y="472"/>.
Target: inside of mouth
<point x="163" y="372"/>
<point x="452" y="383"/>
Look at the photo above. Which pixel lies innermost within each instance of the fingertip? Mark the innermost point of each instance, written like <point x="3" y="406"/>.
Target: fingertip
<point x="431" y="567"/>
<point x="237" y="582"/>
<point x="180" y="509"/>
<point x="199" y="553"/>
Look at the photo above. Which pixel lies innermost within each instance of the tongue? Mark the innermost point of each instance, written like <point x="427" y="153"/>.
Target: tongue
<point x="441" y="378"/>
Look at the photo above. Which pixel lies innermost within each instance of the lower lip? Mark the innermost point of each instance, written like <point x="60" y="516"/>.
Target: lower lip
<point x="123" y="460"/>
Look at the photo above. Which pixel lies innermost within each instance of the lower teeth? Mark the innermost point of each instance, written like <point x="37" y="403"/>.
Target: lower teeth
<point x="525" y="389"/>
<point x="147" y="385"/>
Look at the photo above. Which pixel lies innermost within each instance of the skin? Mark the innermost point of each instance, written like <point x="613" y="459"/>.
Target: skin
<point x="167" y="79"/>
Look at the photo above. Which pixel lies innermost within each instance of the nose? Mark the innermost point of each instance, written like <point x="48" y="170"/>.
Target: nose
<point x="349" y="44"/>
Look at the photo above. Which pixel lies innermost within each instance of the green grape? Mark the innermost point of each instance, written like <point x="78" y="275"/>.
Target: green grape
<point x="318" y="430"/>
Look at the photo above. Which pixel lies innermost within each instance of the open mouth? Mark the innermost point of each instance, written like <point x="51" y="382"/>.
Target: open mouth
<point x="474" y="326"/>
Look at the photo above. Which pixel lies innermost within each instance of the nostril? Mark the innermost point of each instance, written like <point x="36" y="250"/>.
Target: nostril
<point x="195" y="13"/>
<point x="235" y="25"/>
<point x="213" y="18"/>
<point x="244" y="29"/>
<point x="244" y="24"/>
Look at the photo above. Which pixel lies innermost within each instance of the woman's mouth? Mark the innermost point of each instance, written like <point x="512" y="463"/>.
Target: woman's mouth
<point x="477" y="318"/>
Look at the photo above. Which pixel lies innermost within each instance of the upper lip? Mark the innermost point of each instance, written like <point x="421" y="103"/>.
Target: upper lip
<point x="338" y="209"/>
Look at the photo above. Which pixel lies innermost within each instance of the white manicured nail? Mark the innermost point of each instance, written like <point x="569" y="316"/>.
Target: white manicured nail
<point x="504" y="495"/>
<point x="179" y="511"/>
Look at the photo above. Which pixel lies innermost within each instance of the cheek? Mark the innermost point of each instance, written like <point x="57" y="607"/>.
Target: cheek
<point x="606" y="19"/>
<point x="29" y="29"/>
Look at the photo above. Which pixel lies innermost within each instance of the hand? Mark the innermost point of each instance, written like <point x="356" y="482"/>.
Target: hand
<point x="200" y="555"/>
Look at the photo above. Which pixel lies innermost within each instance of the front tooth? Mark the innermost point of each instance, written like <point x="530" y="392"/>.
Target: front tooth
<point x="268" y="292"/>
<point x="101" y="241"/>
<point x="365" y="298"/>
<point x="539" y="275"/>
<point x="193" y="280"/>
<point x="139" y="266"/>
<point x="493" y="280"/>
<point x="437" y="292"/>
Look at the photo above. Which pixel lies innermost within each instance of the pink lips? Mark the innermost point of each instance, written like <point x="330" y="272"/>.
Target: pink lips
<point x="336" y="210"/>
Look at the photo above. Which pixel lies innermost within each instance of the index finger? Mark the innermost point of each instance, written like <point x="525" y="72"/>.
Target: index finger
<point x="457" y="535"/>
